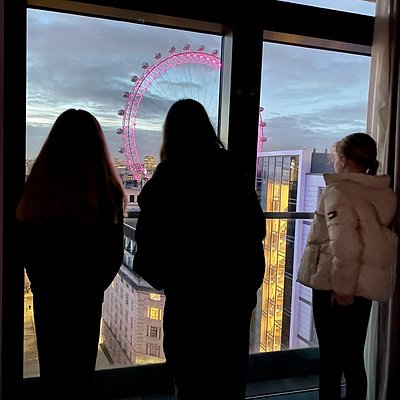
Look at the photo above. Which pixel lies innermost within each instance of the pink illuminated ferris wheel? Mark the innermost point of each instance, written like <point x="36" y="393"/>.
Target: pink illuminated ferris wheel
<point x="194" y="74"/>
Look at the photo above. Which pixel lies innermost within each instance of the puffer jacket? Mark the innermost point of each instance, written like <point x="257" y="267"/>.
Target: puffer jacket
<point x="350" y="248"/>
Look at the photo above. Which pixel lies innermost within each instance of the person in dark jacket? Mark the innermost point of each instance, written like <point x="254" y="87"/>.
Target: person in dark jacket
<point x="70" y="217"/>
<point x="200" y="238"/>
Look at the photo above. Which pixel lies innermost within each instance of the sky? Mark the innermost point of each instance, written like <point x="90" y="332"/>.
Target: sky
<point x="310" y="97"/>
<point x="366" y="7"/>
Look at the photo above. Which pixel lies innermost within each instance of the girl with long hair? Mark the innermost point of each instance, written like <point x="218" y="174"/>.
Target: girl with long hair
<point x="200" y="238"/>
<point x="71" y="221"/>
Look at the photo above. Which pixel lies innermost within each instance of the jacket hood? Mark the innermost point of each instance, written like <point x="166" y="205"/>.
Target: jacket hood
<point x="374" y="187"/>
<point x="373" y="181"/>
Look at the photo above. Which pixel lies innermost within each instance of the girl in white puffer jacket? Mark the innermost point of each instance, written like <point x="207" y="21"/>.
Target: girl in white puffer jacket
<point x="349" y="260"/>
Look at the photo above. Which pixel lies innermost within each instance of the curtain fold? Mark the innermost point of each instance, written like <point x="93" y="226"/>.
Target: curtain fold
<point x="383" y="123"/>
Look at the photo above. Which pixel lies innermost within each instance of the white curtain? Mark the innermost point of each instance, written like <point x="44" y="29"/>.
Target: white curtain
<point x="378" y="102"/>
<point x="377" y="126"/>
<point x="383" y="125"/>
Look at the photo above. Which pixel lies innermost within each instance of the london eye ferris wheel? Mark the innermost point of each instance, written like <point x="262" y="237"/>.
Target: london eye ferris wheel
<point x="179" y="74"/>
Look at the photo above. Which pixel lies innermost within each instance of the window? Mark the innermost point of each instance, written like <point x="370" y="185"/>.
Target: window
<point x="153" y="350"/>
<point x="154" y="332"/>
<point x="154" y="313"/>
<point x="310" y="98"/>
<point x="155" y="296"/>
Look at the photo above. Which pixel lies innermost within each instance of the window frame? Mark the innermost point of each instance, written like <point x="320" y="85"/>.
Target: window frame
<point x="244" y="28"/>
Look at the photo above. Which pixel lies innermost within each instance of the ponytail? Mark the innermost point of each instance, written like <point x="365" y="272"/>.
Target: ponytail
<point x="373" y="167"/>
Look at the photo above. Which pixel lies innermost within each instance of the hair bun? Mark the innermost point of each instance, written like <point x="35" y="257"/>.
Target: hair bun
<point x="373" y="167"/>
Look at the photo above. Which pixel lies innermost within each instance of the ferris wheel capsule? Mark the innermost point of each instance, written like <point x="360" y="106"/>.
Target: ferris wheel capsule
<point x="201" y="48"/>
<point x="263" y="124"/>
<point x="125" y="95"/>
<point x="157" y="56"/>
<point x="121" y="112"/>
<point x="171" y="49"/>
<point x="121" y="150"/>
<point x="214" y="52"/>
<point x="119" y="131"/>
<point x="186" y="47"/>
<point x="145" y="65"/>
<point x="134" y="78"/>
<point x="261" y="109"/>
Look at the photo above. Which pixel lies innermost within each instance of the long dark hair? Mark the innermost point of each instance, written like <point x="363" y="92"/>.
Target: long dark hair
<point x="187" y="129"/>
<point x="361" y="149"/>
<point x="73" y="179"/>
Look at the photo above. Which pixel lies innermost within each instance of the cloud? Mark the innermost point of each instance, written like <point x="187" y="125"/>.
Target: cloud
<point x="82" y="62"/>
<point x="310" y="97"/>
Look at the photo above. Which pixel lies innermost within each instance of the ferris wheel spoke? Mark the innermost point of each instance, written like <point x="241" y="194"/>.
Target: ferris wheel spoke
<point x="186" y="74"/>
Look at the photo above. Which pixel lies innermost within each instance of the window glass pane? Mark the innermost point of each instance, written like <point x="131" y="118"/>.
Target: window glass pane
<point x="97" y="64"/>
<point x="310" y="98"/>
<point x="365" y="7"/>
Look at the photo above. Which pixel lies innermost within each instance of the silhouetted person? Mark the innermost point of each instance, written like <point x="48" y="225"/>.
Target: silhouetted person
<point x="200" y="238"/>
<point x="349" y="261"/>
<point x="71" y="220"/>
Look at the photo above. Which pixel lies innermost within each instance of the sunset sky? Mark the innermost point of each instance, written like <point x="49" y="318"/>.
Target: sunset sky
<point x="310" y="97"/>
